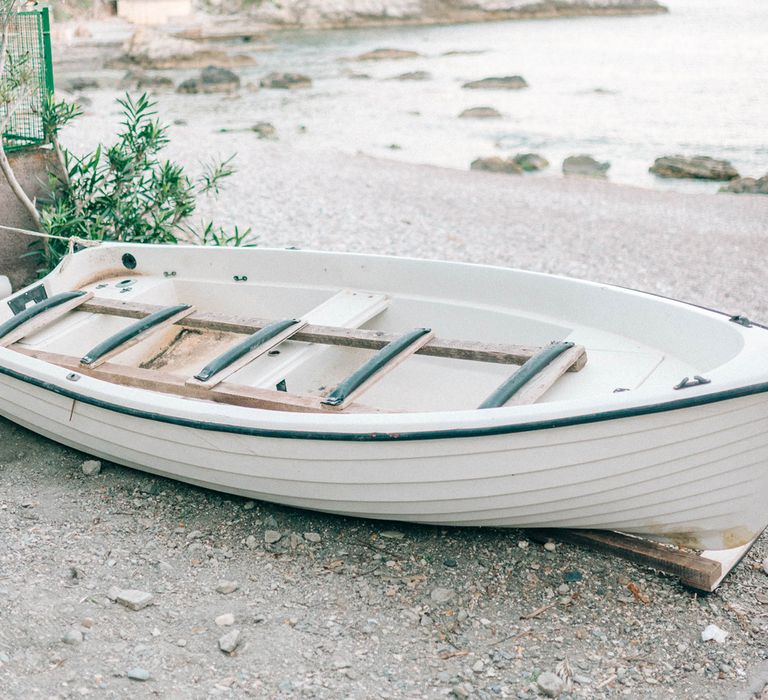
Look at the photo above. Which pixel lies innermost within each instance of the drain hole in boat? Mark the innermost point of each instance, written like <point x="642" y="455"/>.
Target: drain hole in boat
<point x="272" y="353"/>
<point x="129" y="261"/>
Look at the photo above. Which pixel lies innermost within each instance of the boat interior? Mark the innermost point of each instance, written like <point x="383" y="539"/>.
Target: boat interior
<point x="323" y="349"/>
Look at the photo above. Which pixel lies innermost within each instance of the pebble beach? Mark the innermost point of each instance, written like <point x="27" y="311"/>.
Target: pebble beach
<point x="115" y="583"/>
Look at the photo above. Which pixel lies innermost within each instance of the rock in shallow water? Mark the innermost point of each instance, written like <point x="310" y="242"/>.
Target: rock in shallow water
<point x="286" y="81"/>
<point x="695" y="168"/>
<point x="531" y="162"/>
<point x="507" y="82"/>
<point x="747" y="185"/>
<point x="414" y="75"/>
<point x="480" y="113"/>
<point x="585" y="165"/>
<point x="387" y="55"/>
<point x="494" y="164"/>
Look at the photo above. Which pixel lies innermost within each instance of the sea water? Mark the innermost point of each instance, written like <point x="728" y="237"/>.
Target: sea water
<point x="622" y="89"/>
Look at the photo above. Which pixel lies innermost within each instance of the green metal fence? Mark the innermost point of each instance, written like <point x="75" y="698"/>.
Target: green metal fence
<point x="28" y="79"/>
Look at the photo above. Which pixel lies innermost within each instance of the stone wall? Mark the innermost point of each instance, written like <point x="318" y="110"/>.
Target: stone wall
<point x="31" y="168"/>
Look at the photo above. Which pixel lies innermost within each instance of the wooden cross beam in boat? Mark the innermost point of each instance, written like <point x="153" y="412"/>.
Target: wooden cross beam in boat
<point x="501" y="353"/>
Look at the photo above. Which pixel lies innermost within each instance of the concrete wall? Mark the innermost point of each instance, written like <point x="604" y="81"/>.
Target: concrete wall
<point x="153" y="12"/>
<point x="31" y="168"/>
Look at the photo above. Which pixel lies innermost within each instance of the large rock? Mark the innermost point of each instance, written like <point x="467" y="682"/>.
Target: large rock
<point x="530" y="162"/>
<point x="150" y="48"/>
<point x="507" y="82"/>
<point x="387" y="55"/>
<point x="286" y="81"/>
<point x="480" y="113"/>
<point x="747" y="185"/>
<point x="138" y="79"/>
<point x="696" y="167"/>
<point x="494" y="164"/>
<point x="585" y="165"/>
<point x="211" y="80"/>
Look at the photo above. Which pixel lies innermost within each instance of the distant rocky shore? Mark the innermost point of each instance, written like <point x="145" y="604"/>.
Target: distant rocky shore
<point x="358" y="13"/>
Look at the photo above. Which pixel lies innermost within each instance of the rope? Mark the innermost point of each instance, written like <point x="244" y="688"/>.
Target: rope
<point x="72" y="240"/>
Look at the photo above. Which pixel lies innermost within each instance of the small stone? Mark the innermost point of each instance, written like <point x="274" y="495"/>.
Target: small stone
<point x="585" y="165"/>
<point x="563" y="589"/>
<point x="272" y="536"/>
<point x="392" y="535"/>
<point x="133" y="599"/>
<point x="230" y="641"/>
<point x="286" y="81"/>
<point x="225" y="620"/>
<point x="251" y="542"/>
<point x="713" y="632"/>
<point x="765" y="565"/>
<point x="442" y="595"/>
<point x="478" y="666"/>
<point x="138" y="674"/>
<point x="550" y="546"/>
<point x="72" y="636"/>
<point x="351" y="674"/>
<point x="462" y="690"/>
<point x="194" y="535"/>
<point x="450" y="563"/>
<point x="572" y="576"/>
<point x="249" y="505"/>
<point x="582" y="680"/>
<point x="311" y="537"/>
<point x="531" y="162"/>
<point x="227" y="587"/>
<point x="91" y="467"/>
<point x="265" y="130"/>
<point x="550" y="684"/>
<point x="181" y="643"/>
<point x="86" y="622"/>
<point x="523" y="544"/>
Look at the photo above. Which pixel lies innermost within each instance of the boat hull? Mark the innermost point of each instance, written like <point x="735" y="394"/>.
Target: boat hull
<point x="692" y="476"/>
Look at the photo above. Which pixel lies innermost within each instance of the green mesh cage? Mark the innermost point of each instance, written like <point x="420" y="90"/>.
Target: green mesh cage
<point x="28" y="79"/>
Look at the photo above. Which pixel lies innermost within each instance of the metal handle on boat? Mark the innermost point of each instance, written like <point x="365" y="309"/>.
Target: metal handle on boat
<point x="697" y="380"/>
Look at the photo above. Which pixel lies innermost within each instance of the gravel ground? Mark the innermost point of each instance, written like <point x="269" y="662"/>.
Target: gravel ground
<point x="333" y="607"/>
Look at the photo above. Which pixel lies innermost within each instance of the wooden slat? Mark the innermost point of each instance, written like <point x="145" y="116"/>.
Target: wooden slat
<point x="249" y="357"/>
<point x="36" y="323"/>
<point x="544" y="380"/>
<point x="391" y="363"/>
<point x="135" y="339"/>
<point x="164" y="382"/>
<point x="501" y="353"/>
<point x="692" y="570"/>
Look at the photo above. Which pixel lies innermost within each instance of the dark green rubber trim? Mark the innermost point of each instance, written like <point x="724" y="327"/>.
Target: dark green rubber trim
<point x="19" y="319"/>
<point x="366" y="371"/>
<point x="131" y="332"/>
<point x="235" y="353"/>
<point x="405" y="436"/>
<point x="527" y="371"/>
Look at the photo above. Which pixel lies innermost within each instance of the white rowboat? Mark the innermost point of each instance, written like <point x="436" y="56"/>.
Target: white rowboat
<point x="389" y="388"/>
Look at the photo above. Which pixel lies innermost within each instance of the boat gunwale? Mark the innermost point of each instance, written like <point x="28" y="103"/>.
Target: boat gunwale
<point x="701" y="399"/>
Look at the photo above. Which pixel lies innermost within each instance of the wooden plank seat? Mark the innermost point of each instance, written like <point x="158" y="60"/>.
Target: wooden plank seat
<point x="255" y="345"/>
<point x="384" y="361"/>
<point x="540" y="367"/>
<point x="536" y="376"/>
<point x="35" y="317"/>
<point x="500" y="353"/>
<point x="156" y="380"/>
